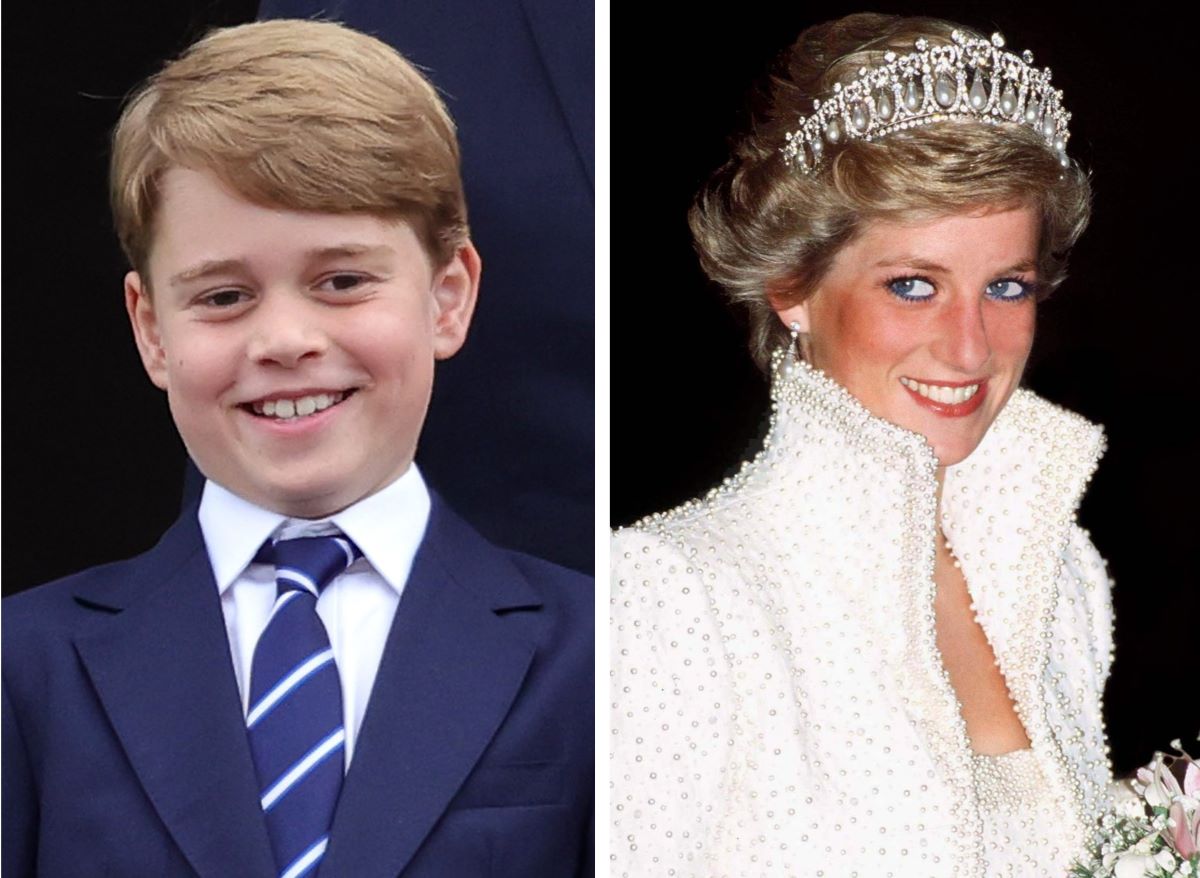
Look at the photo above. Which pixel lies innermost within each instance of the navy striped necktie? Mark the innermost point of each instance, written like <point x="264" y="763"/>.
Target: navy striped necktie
<point x="295" y="717"/>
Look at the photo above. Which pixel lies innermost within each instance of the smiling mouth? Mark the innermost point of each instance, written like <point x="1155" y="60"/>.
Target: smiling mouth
<point x="946" y="394"/>
<point x="291" y="408"/>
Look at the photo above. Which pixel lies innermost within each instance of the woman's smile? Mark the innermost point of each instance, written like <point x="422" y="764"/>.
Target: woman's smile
<point x="952" y="400"/>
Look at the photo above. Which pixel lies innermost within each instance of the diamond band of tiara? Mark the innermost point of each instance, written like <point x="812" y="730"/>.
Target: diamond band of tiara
<point x="970" y="78"/>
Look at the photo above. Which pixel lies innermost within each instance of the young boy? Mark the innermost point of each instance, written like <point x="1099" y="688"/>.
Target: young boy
<point x="319" y="666"/>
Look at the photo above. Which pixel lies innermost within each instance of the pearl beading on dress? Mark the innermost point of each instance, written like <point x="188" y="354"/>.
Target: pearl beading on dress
<point x="1023" y="833"/>
<point x="1010" y="780"/>
<point x="779" y="704"/>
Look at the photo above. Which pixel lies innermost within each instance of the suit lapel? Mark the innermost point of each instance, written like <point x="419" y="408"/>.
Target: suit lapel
<point x="450" y="671"/>
<point x="162" y="669"/>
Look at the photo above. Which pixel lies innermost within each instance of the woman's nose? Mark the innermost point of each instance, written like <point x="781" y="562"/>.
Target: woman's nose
<point x="287" y="330"/>
<point x="963" y="335"/>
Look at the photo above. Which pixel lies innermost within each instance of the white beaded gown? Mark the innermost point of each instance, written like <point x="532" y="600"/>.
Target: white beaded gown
<point x="779" y="706"/>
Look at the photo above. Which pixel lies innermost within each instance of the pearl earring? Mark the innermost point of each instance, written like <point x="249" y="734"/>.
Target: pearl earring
<point x="796" y="357"/>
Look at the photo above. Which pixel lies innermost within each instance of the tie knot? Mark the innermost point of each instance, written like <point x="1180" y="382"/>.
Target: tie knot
<point x="308" y="563"/>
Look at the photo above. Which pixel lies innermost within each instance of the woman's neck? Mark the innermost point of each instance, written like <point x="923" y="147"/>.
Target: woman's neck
<point x="940" y="478"/>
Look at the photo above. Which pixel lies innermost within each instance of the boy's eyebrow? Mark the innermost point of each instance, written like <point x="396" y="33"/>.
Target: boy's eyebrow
<point x="349" y="250"/>
<point x="225" y="266"/>
<point x="203" y="269"/>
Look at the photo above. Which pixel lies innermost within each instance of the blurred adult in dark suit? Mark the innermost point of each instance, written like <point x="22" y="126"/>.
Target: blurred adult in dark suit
<point x="518" y="75"/>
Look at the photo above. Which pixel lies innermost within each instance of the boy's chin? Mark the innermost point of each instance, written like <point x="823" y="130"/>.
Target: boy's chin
<point x="309" y="482"/>
<point x="311" y="498"/>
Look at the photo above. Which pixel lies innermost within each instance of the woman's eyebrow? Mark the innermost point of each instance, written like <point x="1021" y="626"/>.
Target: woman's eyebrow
<point x="911" y="262"/>
<point x="934" y="267"/>
<point x="1023" y="265"/>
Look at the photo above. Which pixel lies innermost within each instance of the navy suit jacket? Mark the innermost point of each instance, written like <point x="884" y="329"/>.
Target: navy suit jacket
<point x="125" y="751"/>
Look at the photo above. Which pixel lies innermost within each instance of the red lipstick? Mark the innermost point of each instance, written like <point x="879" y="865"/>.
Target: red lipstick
<point x="949" y="409"/>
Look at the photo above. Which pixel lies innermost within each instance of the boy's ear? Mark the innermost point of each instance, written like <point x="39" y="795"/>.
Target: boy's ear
<point x="145" y="329"/>
<point x="455" y="288"/>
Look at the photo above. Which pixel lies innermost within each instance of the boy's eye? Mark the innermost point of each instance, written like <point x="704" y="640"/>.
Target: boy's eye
<point x="342" y="282"/>
<point x="223" y="298"/>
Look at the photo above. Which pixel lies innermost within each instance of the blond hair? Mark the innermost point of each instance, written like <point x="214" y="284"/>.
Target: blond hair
<point x="301" y="115"/>
<point x="768" y="234"/>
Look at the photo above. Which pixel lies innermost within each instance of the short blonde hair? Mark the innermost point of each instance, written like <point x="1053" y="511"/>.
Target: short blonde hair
<point x="302" y="115"/>
<point x="766" y="232"/>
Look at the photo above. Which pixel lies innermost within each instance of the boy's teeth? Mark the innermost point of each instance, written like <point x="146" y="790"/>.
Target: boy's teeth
<point x="297" y="408"/>
<point x="941" y="393"/>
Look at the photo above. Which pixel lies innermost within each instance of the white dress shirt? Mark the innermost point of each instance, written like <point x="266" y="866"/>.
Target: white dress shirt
<point x="357" y="607"/>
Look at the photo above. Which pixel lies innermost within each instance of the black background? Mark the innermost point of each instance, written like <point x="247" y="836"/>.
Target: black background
<point x="1115" y="342"/>
<point x="93" y="468"/>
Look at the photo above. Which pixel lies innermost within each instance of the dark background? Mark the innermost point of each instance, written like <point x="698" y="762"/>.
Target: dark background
<point x="1115" y="342"/>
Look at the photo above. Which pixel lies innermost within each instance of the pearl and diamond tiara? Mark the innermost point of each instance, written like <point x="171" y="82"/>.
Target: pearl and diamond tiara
<point x="968" y="79"/>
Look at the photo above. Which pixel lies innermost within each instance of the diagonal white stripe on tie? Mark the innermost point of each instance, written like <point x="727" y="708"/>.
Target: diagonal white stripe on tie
<point x="310" y="666"/>
<point x="301" y="579"/>
<point x="306" y="860"/>
<point x="284" y="599"/>
<point x="296" y="773"/>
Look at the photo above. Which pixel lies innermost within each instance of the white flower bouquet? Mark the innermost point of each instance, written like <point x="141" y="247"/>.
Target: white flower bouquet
<point x="1158" y="835"/>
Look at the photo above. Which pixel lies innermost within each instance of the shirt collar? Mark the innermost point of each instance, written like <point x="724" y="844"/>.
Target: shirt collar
<point x="387" y="526"/>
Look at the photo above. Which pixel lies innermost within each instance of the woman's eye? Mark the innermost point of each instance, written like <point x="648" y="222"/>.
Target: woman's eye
<point x="1009" y="288"/>
<point x="911" y="288"/>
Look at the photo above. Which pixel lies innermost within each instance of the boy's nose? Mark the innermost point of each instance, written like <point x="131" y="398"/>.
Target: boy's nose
<point x="285" y="333"/>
